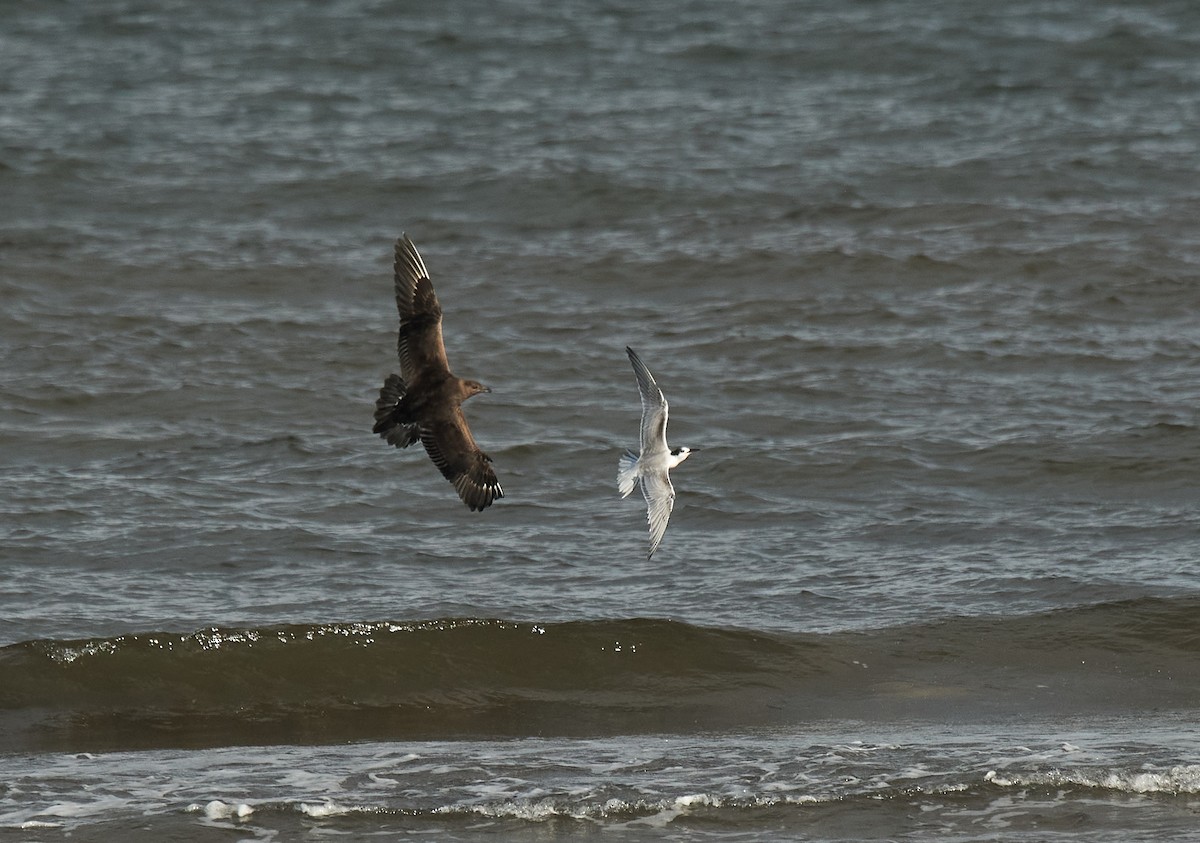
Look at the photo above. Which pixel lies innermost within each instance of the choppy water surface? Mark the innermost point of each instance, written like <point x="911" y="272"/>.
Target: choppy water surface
<point x="921" y="284"/>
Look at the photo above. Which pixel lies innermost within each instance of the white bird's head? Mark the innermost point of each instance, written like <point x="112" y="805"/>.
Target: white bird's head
<point x="678" y="455"/>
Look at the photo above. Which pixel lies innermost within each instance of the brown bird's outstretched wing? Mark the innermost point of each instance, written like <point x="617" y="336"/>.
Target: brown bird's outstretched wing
<point x="422" y="352"/>
<point x="453" y="450"/>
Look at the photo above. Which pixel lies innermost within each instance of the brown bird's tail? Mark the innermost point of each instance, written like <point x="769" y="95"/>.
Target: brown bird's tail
<point x="387" y="424"/>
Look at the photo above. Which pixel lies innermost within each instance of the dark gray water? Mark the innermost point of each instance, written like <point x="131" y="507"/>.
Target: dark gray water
<point x="921" y="283"/>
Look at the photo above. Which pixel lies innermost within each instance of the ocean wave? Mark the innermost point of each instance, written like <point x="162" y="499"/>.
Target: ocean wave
<point x="1182" y="779"/>
<point x="581" y="808"/>
<point x="954" y="779"/>
<point x="453" y="677"/>
<point x="592" y="806"/>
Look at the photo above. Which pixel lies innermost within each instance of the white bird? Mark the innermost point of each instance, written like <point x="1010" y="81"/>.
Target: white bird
<point x="651" y="469"/>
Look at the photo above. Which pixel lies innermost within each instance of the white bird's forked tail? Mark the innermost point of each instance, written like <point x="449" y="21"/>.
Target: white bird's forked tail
<point x="627" y="473"/>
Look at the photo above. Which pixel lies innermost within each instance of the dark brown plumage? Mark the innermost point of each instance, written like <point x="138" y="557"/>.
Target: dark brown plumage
<point x="425" y="400"/>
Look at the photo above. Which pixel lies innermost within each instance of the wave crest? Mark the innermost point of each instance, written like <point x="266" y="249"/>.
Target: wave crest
<point x="454" y="677"/>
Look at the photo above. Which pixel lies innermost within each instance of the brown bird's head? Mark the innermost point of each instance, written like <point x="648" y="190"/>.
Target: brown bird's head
<point x="470" y="388"/>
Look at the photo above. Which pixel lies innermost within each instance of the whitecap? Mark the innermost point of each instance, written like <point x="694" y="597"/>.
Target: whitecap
<point x="218" y="810"/>
<point x="1183" y="778"/>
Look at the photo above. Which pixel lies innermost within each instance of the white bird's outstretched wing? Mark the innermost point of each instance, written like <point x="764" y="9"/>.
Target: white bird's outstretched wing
<point x="654" y="408"/>
<point x="660" y="500"/>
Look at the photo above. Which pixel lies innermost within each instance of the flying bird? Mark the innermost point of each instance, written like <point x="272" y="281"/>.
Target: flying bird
<point x="425" y="400"/>
<point x="651" y="469"/>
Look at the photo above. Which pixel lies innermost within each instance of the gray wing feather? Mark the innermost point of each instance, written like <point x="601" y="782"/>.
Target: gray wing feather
<point x="660" y="500"/>
<point x="654" y="407"/>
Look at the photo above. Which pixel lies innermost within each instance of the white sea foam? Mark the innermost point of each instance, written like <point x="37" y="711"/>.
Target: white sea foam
<point x="1183" y="778"/>
<point x="218" y="810"/>
<point x="534" y="811"/>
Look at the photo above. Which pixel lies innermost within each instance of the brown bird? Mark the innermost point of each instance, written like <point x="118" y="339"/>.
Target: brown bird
<point x="425" y="400"/>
